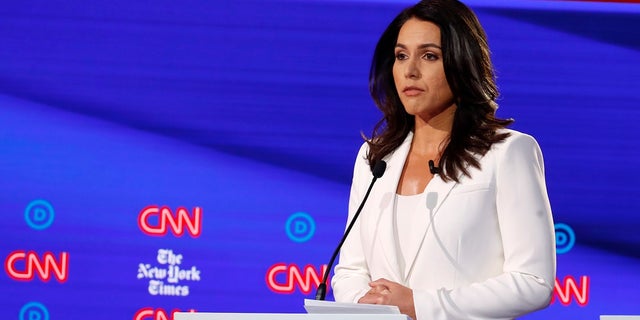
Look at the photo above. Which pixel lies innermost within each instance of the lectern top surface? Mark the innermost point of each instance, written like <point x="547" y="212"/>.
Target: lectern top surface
<point x="284" y="316"/>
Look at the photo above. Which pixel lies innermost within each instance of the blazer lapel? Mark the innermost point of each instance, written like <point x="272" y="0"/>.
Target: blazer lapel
<point x="434" y="195"/>
<point x="386" y="191"/>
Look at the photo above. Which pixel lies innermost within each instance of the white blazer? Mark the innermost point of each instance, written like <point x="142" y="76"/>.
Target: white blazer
<point x="486" y="249"/>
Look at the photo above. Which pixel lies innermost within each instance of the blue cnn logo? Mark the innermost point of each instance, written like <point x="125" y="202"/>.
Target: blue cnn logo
<point x="300" y="227"/>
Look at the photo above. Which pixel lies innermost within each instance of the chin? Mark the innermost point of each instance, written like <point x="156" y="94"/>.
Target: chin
<point x="412" y="110"/>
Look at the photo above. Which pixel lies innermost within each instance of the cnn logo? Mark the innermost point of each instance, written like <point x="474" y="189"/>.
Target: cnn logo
<point x="157" y="221"/>
<point x="569" y="289"/>
<point x="25" y="265"/>
<point x="282" y="278"/>
<point x="155" y="314"/>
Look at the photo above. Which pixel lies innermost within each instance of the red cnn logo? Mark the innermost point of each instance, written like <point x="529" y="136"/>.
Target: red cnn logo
<point x="157" y="314"/>
<point x="569" y="289"/>
<point x="165" y="220"/>
<point x="306" y="279"/>
<point x="20" y="265"/>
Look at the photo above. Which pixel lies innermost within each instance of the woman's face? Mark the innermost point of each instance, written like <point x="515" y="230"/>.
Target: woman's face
<point x="418" y="70"/>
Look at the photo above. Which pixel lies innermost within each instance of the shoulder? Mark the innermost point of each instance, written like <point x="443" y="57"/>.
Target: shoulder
<point x="516" y="142"/>
<point x="361" y="157"/>
<point x="361" y="161"/>
<point x="365" y="149"/>
<point x="518" y="149"/>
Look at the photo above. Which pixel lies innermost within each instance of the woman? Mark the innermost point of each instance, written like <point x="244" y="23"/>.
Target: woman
<point x="472" y="237"/>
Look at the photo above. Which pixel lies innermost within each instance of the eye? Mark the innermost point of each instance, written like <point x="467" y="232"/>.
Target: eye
<point x="401" y="56"/>
<point x="430" y="56"/>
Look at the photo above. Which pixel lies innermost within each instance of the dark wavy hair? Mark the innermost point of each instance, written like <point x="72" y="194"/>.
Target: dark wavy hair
<point x="469" y="73"/>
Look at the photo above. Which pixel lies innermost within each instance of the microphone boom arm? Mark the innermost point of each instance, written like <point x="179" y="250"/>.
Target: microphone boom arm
<point x="322" y="287"/>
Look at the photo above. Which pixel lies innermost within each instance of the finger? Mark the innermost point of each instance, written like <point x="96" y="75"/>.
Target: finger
<point x="383" y="282"/>
<point x="380" y="282"/>
<point x="372" y="291"/>
<point x="374" y="298"/>
<point x="369" y="298"/>
<point x="377" y="287"/>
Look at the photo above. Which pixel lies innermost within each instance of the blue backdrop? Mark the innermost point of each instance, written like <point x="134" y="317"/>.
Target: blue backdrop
<point x="197" y="155"/>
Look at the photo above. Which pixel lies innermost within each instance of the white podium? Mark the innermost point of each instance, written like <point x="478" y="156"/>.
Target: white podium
<point x="284" y="316"/>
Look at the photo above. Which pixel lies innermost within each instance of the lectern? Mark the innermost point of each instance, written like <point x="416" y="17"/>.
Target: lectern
<point x="284" y="316"/>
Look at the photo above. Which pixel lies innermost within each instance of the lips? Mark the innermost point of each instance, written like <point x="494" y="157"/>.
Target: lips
<point x="412" y="91"/>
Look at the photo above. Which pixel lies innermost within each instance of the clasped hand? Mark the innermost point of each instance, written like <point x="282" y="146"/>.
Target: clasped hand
<point x="391" y="293"/>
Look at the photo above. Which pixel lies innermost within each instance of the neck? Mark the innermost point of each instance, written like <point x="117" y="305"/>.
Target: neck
<point x="431" y="134"/>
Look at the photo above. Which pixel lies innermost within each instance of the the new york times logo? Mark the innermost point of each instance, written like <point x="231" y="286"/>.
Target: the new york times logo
<point x="167" y="278"/>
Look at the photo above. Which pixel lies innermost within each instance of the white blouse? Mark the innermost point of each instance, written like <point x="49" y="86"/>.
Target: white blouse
<point x="407" y="211"/>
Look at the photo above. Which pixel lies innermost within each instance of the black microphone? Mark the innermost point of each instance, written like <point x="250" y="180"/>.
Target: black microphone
<point x="432" y="168"/>
<point x="378" y="171"/>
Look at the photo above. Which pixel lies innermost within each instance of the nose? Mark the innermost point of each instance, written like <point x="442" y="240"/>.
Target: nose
<point x="412" y="71"/>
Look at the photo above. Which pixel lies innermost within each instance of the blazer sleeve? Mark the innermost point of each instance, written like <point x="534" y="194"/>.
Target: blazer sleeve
<point x="351" y="275"/>
<point x="527" y="232"/>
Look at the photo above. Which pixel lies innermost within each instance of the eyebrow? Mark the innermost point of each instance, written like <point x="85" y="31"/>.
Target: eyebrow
<point x="422" y="46"/>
